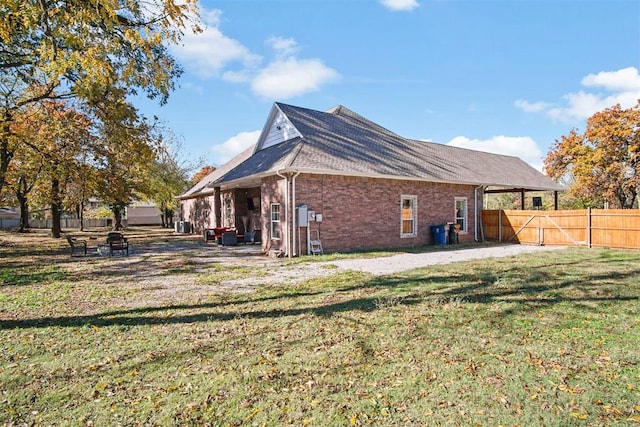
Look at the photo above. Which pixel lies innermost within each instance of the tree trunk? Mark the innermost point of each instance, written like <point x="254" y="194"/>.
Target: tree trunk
<point x="21" y="194"/>
<point x="56" y="228"/>
<point x="5" y="152"/>
<point x="168" y="215"/>
<point x="24" y="214"/>
<point x="81" y="216"/>
<point x="117" y="217"/>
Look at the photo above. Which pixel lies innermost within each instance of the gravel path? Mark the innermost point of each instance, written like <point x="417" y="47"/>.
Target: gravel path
<point x="278" y="272"/>
<point x="162" y="288"/>
<point x="403" y="262"/>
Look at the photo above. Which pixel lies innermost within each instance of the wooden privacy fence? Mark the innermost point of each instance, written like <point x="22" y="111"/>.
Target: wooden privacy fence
<point x="613" y="228"/>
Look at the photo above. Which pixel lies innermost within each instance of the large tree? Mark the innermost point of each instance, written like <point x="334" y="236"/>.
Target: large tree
<point x="81" y="49"/>
<point x="602" y="164"/>
<point x="123" y="154"/>
<point x="53" y="137"/>
<point x="169" y="177"/>
<point x="203" y="172"/>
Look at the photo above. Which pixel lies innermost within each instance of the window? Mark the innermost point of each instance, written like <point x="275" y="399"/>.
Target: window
<point x="461" y="212"/>
<point x="275" y="221"/>
<point x="408" y="225"/>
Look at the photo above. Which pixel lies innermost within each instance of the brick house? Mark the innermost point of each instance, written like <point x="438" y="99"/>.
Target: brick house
<point x="360" y="185"/>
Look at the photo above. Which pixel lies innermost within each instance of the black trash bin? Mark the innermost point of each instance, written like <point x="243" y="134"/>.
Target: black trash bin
<point x="439" y="234"/>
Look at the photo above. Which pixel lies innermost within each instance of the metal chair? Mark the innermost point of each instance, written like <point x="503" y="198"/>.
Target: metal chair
<point x="117" y="242"/>
<point x="77" y="245"/>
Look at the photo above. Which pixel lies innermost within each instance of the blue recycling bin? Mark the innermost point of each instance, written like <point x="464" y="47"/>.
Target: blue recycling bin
<point x="439" y="234"/>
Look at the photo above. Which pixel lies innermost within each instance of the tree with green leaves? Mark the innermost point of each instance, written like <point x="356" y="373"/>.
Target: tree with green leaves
<point x="123" y="155"/>
<point x="53" y="137"/>
<point x="602" y="165"/>
<point x="169" y="177"/>
<point x="77" y="49"/>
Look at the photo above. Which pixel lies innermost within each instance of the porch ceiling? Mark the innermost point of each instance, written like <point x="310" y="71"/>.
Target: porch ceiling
<point x="248" y="182"/>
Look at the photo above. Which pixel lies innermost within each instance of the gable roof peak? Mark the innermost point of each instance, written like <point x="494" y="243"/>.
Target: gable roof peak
<point x="338" y="109"/>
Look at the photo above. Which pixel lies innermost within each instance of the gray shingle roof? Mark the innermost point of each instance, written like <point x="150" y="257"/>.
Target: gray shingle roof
<point x="206" y="184"/>
<point x="340" y="141"/>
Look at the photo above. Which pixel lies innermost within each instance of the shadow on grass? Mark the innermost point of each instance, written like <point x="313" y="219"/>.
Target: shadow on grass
<point x="525" y="290"/>
<point x="23" y="266"/>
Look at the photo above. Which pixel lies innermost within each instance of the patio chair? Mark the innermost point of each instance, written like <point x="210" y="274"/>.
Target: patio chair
<point x="77" y="245"/>
<point x="117" y="242"/>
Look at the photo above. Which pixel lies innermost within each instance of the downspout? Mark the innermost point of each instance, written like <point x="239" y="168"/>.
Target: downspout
<point x="293" y="196"/>
<point x="475" y="212"/>
<point x="286" y="213"/>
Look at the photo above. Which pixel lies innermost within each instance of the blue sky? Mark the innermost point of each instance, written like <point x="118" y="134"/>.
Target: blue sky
<point x="506" y="76"/>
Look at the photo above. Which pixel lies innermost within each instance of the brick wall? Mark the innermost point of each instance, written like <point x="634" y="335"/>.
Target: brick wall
<point x="364" y="213"/>
<point x="199" y="212"/>
<point x="358" y="213"/>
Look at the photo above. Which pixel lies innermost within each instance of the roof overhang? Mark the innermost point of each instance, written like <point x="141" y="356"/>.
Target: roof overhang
<point x="519" y="189"/>
<point x="256" y="180"/>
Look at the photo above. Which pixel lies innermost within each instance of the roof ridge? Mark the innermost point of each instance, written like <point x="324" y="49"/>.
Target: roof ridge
<point x="341" y="110"/>
<point x="454" y="147"/>
<point x="291" y="157"/>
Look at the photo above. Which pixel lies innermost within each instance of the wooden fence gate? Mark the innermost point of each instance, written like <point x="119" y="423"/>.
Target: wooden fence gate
<point x="614" y="228"/>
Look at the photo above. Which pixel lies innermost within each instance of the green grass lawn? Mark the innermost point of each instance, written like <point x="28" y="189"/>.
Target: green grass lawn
<point x="545" y="339"/>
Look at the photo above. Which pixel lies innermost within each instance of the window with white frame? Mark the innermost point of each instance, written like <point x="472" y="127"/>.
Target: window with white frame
<point x="408" y="217"/>
<point x="275" y="221"/>
<point x="461" y="213"/>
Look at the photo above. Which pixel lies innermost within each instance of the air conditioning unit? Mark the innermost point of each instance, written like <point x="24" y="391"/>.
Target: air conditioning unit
<point x="183" y="227"/>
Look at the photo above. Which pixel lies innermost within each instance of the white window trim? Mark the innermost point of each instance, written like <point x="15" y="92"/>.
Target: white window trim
<point x="466" y="213"/>
<point x="272" y="222"/>
<point x="414" y="203"/>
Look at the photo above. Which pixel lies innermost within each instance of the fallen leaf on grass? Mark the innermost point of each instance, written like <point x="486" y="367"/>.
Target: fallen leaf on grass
<point x="578" y="415"/>
<point x="353" y="420"/>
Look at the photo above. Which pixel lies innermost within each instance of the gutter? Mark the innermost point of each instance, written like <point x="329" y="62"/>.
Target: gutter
<point x="475" y="212"/>
<point x="293" y="221"/>
<point x="286" y="213"/>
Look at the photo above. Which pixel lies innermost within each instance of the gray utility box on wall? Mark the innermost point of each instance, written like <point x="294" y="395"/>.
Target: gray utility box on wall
<point x="303" y="219"/>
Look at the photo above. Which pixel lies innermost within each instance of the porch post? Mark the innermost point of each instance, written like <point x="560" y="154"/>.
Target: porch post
<point x="217" y="206"/>
<point x="555" y="200"/>
<point x="522" y="199"/>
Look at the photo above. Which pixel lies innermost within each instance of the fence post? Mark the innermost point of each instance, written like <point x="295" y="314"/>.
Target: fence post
<point x="540" y="232"/>
<point x="499" y="225"/>
<point x="588" y="227"/>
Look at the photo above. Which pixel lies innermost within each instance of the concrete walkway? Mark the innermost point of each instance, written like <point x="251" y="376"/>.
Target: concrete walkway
<point x="409" y="261"/>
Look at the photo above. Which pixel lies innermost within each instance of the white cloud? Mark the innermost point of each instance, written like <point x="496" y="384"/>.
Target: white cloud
<point x="235" y="145"/>
<point x="401" y="5"/>
<point x="519" y="146"/>
<point x="207" y="53"/>
<point x="283" y="46"/>
<point x="241" y="76"/>
<point x="615" y="87"/>
<point x="287" y="78"/>
<point x="532" y="107"/>
<point x="626" y="79"/>
<point x="211" y="17"/>
<point x="211" y="54"/>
